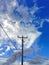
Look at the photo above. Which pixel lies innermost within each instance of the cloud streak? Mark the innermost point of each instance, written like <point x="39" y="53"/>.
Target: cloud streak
<point x="19" y="20"/>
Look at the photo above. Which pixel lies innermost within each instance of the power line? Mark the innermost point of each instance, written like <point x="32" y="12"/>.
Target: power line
<point x="6" y="34"/>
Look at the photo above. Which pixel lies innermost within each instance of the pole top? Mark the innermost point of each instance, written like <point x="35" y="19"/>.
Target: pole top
<point x="22" y="36"/>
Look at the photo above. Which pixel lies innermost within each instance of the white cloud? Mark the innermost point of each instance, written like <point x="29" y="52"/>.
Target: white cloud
<point x="8" y="48"/>
<point x="34" y="61"/>
<point x="5" y="50"/>
<point x="13" y="58"/>
<point x="47" y="20"/>
<point x="38" y="60"/>
<point x="18" y="63"/>
<point x="1" y="48"/>
<point x="46" y="62"/>
<point x="3" y="60"/>
<point x="1" y="54"/>
<point x="14" y="31"/>
<point x="12" y="22"/>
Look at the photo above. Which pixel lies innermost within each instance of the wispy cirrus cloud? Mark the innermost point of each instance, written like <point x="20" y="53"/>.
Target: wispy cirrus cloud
<point x="12" y="60"/>
<point x="19" y="20"/>
<point x="40" y="61"/>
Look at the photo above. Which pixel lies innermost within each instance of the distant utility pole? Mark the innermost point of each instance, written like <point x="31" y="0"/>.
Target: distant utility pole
<point x="22" y="46"/>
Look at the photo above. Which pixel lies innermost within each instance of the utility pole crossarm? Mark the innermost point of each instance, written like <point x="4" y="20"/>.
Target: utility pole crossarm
<point x="22" y="37"/>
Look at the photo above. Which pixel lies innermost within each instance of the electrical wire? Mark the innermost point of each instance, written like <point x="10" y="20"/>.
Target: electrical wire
<point x="6" y="34"/>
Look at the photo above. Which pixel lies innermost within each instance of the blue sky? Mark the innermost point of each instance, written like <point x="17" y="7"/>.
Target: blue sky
<point x="43" y="40"/>
<point x="43" y="13"/>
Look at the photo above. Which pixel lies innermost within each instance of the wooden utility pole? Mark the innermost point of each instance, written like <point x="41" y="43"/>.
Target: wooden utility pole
<point x="22" y="46"/>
